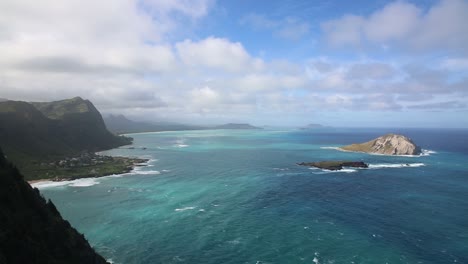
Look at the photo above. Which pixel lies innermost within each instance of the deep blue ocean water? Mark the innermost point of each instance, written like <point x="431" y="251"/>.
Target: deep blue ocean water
<point x="225" y="196"/>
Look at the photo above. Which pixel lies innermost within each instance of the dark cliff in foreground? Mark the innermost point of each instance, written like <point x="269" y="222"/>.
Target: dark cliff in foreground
<point x="32" y="230"/>
<point x="34" y="133"/>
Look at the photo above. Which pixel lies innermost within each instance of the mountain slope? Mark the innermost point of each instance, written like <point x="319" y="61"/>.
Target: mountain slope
<point x="32" y="230"/>
<point x="119" y="124"/>
<point x="31" y="133"/>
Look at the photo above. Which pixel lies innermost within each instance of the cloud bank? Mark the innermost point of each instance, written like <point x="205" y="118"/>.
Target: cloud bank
<point x="141" y="58"/>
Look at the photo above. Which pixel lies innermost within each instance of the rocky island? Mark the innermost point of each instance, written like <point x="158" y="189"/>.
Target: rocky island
<point x="334" y="165"/>
<point x="390" y="144"/>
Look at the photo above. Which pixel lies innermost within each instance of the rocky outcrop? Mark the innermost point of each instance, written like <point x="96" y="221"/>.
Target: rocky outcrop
<point x="334" y="165"/>
<point x="390" y="144"/>
<point x="32" y="229"/>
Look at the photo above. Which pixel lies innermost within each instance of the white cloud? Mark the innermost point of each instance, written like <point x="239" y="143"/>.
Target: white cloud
<point x="216" y="53"/>
<point x="404" y="25"/>
<point x="344" y="31"/>
<point x="395" y="21"/>
<point x="120" y="56"/>
<point x="373" y="70"/>
<point x="455" y="64"/>
<point x="205" y="97"/>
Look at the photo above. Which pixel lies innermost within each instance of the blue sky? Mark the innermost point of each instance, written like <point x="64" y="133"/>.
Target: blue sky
<point x="338" y="63"/>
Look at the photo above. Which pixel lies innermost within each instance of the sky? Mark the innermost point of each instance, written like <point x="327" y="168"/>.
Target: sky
<point x="291" y="62"/>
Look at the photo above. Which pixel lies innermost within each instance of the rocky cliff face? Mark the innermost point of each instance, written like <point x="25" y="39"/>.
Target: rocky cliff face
<point x="32" y="230"/>
<point x="390" y="144"/>
<point x="33" y="132"/>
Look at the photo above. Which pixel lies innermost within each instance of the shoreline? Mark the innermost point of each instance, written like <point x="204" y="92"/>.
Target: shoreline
<point x="424" y="152"/>
<point x="135" y="162"/>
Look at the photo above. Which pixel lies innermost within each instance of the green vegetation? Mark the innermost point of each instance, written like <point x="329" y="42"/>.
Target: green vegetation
<point x="84" y="166"/>
<point x="59" y="109"/>
<point x="33" y="136"/>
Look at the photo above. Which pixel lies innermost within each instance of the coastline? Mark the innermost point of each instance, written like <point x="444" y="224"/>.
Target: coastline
<point x="129" y="164"/>
<point x="424" y="152"/>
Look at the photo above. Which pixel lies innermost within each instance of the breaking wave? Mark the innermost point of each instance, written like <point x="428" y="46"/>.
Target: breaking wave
<point x="390" y="165"/>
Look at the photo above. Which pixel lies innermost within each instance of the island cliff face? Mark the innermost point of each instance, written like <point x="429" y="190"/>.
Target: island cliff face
<point x="32" y="230"/>
<point x="390" y="144"/>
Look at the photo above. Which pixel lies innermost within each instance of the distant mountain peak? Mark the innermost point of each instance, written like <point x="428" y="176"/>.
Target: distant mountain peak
<point x="58" y="109"/>
<point x="237" y="126"/>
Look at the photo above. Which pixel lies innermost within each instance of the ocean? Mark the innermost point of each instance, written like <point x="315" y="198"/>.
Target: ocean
<point x="237" y="196"/>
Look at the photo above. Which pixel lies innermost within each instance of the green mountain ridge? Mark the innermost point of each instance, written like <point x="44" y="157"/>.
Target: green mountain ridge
<point x="31" y="133"/>
<point x="61" y="109"/>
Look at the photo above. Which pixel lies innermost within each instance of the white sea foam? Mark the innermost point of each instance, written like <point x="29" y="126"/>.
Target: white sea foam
<point x="346" y="170"/>
<point x="86" y="182"/>
<point x="185" y="208"/>
<point x="390" y="165"/>
<point x="335" y="148"/>
<point x="182" y="145"/>
<point x="426" y="152"/>
<point x="281" y="169"/>
<point x="49" y="184"/>
<point x="146" y="172"/>
<point x="234" y="242"/>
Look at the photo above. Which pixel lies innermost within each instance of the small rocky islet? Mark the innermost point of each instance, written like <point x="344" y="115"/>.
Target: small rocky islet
<point x="334" y="165"/>
<point x="390" y="144"/>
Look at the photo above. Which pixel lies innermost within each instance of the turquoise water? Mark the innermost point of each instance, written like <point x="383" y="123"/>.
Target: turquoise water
<point x="238" y="197"/>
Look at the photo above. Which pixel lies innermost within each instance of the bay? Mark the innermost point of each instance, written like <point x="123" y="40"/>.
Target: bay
<point x="237" y="196"/>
